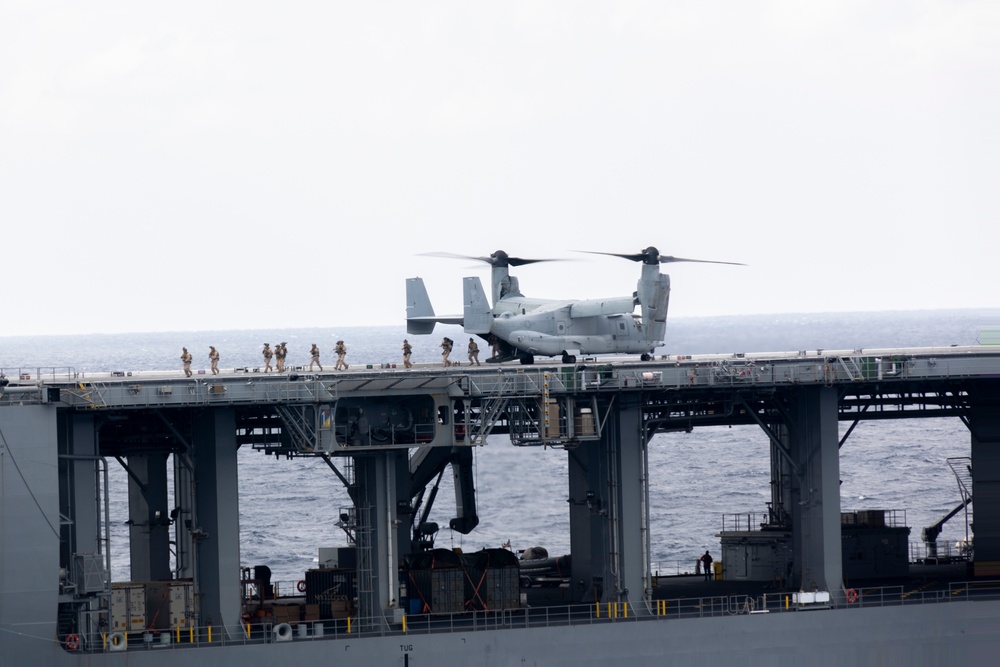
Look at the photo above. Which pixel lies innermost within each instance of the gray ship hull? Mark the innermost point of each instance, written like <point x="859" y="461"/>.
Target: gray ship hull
<point x="948" y="633"/>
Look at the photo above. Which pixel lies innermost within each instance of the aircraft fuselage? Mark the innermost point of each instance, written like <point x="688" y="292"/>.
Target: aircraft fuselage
<point x="551" y="330"/>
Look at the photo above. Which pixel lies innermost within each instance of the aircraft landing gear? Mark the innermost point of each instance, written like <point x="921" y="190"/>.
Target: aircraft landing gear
<point x="645" y="357"/>
<point x="568" y="358"/>
<point x="527" y="359"/>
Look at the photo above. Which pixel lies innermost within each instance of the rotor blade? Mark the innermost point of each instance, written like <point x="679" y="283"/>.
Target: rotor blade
<point x="652" y="256"/>
<point x="669" y="258"/>
<point x="498" y="258"/>
<point x="452" y="255"/>
<point x="520" y="261"/>
<point x="635" y="257"/>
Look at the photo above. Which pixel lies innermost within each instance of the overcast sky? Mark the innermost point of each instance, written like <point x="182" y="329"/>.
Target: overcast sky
<point x="217" y="165"/>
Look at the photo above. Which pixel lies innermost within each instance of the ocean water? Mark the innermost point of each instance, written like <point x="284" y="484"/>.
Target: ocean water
<point x="288" y="509"/>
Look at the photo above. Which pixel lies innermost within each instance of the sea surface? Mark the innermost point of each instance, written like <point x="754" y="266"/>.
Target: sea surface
<point x="288" y="508"/>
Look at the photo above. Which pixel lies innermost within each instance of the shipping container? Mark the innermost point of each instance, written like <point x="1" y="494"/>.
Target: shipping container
<point x="435" y="582"/>
<point x="128" y="607"/>
<point x="169" y="604"/>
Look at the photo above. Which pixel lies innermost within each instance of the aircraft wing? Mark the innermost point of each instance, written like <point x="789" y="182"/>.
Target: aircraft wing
<point x="596" y="307"/>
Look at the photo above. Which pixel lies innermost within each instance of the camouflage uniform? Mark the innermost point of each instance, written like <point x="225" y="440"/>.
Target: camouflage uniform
<point x="446" y="350"/>
<point x="341" y="351"/>
<point x="280" y="352"/>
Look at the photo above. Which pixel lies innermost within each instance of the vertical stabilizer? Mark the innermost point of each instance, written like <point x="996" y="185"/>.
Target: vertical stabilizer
<point x="478" y="317"/>
<point x="419" y="311"/>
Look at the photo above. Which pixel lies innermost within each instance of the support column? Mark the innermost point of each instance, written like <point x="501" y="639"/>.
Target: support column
<point x="815" y="508"/>
<point x="403" y="511"/>
<point x="587" y="510"/>
<point x="149" y="517"/>
<point x="984" y="422"/>
<point x="78" y="443"/>
<point x="609" y="518"/>
<point x="182" y="514"/>
<point x="216" y="526"/>
<point x="781" y="476"/>
<point x="378" y="535"/>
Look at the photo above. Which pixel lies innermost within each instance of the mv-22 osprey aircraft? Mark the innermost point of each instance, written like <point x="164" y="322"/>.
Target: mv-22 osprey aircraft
<point x="522" y="327"/>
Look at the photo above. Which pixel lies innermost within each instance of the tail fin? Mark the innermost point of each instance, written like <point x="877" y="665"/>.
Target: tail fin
<point x="478" y="317"/>
<point x="419" y="311"/>
<point x="420" y="317"/>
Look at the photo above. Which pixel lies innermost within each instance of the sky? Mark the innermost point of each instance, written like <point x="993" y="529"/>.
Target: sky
<point x="245" y="165"/>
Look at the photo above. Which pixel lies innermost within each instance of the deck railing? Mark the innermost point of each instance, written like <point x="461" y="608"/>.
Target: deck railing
<point x="535" y="617"/>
